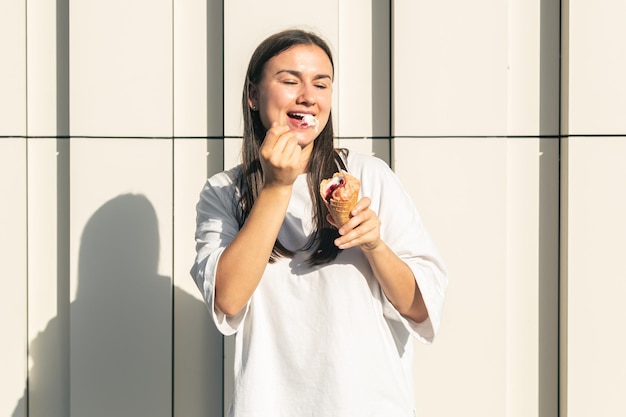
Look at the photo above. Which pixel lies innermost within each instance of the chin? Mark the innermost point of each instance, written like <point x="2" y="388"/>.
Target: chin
<point x="304" y="139"/>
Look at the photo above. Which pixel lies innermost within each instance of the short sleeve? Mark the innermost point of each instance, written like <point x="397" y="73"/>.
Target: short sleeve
<point x="216" y="227"/>
<point x="403" y="231"/>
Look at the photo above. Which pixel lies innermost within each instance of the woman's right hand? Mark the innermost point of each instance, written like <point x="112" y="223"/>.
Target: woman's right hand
<point x="280" y="156"/>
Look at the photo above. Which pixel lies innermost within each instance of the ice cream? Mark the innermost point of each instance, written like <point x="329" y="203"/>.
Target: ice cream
<point x="341" y="193"/>
<point x="308" y="120"/>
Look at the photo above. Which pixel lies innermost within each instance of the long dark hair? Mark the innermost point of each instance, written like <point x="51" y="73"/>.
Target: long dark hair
<point x="324" y="160"/>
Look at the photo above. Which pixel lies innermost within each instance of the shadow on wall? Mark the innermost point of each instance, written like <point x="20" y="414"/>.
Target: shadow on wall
<point x="118" y="356"/>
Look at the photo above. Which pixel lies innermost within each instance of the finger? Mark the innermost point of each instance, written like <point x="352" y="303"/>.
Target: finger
<point x="274" y="146"/>
<point x="361" y="205"/>
<point x="359" y="230"/>
<point x="293" y="150"/>
<point x="360" y="216"/>
<point x="273" y="135"/>
<point x="286" y="146"/>
<point x="349" y="240"/>
<point x="349" y="232"/>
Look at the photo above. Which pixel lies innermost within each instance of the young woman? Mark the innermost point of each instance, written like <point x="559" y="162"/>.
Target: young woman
<point x="323" y="317"/>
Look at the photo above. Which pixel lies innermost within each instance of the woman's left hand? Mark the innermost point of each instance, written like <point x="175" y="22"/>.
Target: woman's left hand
<point x="363" y="228"/>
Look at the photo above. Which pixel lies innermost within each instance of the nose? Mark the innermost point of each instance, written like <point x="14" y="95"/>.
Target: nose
<point x="307" y="94"/>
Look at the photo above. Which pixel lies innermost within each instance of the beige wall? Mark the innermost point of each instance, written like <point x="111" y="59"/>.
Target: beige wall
<point x="112" y="115"/>
<point x="593" y="207"/>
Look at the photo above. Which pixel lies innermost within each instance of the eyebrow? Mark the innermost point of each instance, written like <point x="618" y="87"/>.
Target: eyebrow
<point x="299" y="74"/>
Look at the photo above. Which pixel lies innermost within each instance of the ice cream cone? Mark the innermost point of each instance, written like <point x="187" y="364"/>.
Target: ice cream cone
<point x="341" y="193"/>
<point x="340" y="209"/>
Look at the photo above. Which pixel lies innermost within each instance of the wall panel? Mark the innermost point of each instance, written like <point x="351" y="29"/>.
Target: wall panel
<point x="595" y="376"/>
<point x="524" y="56"/>
<point x="500" y="320"/>
<point x="121" y="68"/>
<point x="466" y="215"/>
<point x="596" y="65"/>
<point x="121" y="277"/>
<point x="48" y="280"/>
<point x="198" y="353"/>
<point x="190" y="56"/>
<point x="198" y="112"/>
<point x="13" y="223"/>
<point x="353" y="77"/>
<point x="47" y="55"/>
<point x="534" y="71"/>
<point x="13" y="70"/>
<point x="198" y="68"/>
<point x="363" y="78"/>
<point x="450" y="71"/>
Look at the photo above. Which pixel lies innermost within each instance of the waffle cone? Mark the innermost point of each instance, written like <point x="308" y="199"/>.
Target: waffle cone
<point x="341" y="193"/>
<point x="340" y="209"/>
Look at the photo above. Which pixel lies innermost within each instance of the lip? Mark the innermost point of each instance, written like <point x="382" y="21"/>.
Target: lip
<point x="300" y="113"/>
<point x="295" y="118"/>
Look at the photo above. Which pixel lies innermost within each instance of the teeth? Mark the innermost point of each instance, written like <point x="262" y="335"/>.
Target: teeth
<point x="306" y="120"/>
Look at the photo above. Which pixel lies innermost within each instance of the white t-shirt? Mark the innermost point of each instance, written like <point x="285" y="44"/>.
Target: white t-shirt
<point x="323" y="341"/>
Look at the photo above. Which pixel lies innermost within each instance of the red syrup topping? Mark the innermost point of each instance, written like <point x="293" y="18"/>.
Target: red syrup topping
<point x="332" y="188"/>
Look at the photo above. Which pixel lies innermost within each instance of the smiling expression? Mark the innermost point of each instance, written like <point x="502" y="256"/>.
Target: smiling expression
<point x="295" y="83"/>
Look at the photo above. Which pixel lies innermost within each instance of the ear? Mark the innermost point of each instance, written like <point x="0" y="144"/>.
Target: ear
<point x="253" y="96"/>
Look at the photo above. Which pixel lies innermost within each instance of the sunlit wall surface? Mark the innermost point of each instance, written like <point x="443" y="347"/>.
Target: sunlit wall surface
<point x="504" y="120"/>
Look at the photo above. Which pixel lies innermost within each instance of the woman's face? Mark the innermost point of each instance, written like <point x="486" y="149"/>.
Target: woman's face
<point x="296" y="82"/>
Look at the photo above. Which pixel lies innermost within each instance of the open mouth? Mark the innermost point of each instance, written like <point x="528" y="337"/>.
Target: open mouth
<point x="305" y="120"/>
